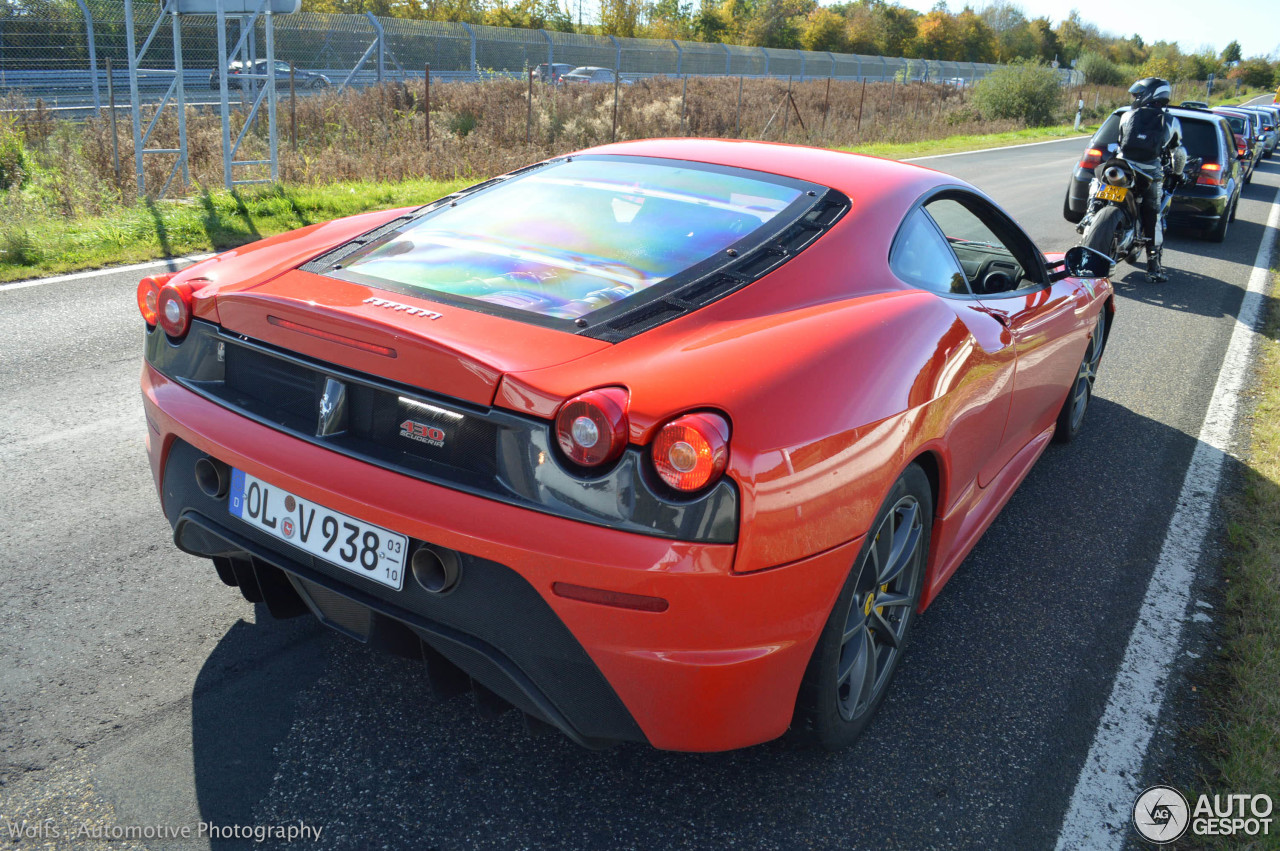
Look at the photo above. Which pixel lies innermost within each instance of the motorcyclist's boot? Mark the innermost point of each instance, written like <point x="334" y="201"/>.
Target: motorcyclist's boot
<point x="1155" y="269"/>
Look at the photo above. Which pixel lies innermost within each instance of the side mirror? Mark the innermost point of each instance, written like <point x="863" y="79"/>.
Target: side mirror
<point x="1084" y="262"/>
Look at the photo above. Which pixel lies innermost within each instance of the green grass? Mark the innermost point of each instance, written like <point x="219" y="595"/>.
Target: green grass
<point x="1243" y="730"/>
<point x="955" y="144"/>
<point x="210" y="221"/>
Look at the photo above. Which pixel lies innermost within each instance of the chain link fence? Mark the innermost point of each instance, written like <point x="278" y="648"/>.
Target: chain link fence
<point x="46" y="50"/>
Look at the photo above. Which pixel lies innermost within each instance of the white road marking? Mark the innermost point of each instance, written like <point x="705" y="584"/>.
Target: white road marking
<point x="1099" y="814"/>
<point x="1001" y="148"/>
<point x="77" y="276"/>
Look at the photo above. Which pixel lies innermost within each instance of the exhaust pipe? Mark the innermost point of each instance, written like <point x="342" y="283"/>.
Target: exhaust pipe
<point x="436" y="569"/>
<point x="213" y="477"/>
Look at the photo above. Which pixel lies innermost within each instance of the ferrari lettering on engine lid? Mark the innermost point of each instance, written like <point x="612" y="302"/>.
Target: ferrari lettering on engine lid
<point x="412" y="311"/>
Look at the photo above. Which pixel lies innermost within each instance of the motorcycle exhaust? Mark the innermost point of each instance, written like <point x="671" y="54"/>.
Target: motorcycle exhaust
<point x="1116" y="176"/>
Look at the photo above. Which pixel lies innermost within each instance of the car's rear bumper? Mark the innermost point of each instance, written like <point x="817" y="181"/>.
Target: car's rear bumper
<point x="1192" y="207"/>
<point x="718" y="669"/>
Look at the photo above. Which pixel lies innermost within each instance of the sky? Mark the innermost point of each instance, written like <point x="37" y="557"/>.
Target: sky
<point x="1253" y="23"/>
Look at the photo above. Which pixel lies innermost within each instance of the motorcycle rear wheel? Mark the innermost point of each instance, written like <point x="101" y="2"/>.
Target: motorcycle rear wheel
<point x="1103" y="233"/>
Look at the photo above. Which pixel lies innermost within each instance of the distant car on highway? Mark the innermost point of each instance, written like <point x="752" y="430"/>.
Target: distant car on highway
<point x="1194" y="104"/>
<point x="552" y="73"/>
<point x="1207" y="204"/>
<point x="1270" y="126"/>
<point x="237" y="76"/>
<point x="592" y="74"/>
<point x="1247" y="128"/>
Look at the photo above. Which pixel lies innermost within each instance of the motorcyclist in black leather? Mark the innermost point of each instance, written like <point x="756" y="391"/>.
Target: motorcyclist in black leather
<point x="1149" y="135"/>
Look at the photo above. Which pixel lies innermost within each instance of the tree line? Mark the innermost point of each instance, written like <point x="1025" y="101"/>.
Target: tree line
<point x="999" y="32"/>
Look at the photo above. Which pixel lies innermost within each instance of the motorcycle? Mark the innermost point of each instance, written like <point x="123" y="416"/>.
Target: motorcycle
<point x="1112" y="223"/>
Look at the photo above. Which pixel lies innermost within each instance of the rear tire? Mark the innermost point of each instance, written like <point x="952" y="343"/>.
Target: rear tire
<point x="1218" y="233"/>
<point x="1101" y="233"/>
<point x="1068" y="213"/>
<point x="866" y="633"/>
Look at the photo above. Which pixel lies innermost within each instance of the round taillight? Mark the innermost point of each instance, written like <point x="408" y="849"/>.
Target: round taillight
<point x="149" y="299"/>
<point x="173" y="309"/>
<point x="692" y="451"/>
<point x="592" y="428"/>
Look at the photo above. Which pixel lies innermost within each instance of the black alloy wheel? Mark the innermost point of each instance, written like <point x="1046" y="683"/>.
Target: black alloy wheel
<point x="866" y="633"/>
<point x="1071" y="417"/>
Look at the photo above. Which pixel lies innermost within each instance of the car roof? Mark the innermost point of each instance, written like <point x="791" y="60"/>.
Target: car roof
<point x="864" y="179"/>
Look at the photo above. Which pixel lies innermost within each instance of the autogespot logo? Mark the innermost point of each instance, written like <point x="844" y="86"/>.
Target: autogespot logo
<point x="1161" y="814"/>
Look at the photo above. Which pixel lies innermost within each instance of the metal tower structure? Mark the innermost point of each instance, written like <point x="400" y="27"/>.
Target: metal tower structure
<point x="247" y="13"/>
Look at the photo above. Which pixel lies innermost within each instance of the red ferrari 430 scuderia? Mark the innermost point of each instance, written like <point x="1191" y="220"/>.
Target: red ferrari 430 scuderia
<point x="664" y="441"/>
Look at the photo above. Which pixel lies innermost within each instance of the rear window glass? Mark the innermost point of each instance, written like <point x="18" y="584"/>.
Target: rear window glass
<point x="1236" y="122"/>
<point x="574" y="237"/>
<point x="1200" y="138"/>
<point x="1109" y="132"/>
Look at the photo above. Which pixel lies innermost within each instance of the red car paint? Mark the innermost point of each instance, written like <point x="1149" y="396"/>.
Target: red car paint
<point x="834" y="375"/>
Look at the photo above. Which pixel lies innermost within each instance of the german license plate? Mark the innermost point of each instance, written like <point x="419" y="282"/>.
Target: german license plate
<point x="362" y="548"/>
<point x="1113" y="193"/>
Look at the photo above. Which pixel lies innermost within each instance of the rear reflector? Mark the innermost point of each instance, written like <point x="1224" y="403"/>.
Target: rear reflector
<point x="371" y="348"/>
<point x="617" y="599"/>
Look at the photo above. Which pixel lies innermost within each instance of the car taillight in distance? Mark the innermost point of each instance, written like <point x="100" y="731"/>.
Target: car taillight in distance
<point x="692" y="451"/>
<point x="149" y="297"/>
<point x="1091" y="160"/>
<point x="1210" y="175"/>
<point x="591" y="428"/>
<point x="173" y="309"/>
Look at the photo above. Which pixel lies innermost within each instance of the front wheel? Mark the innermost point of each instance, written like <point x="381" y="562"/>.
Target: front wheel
<point x="1103" y="233"/>
<point x="866" y="633"/>
<point x="1071" y="417"/>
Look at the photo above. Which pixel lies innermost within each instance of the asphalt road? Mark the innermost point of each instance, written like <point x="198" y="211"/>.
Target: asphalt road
<point x="136" y="689"/>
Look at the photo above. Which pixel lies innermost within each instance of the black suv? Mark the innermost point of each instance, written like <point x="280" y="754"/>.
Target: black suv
<point x="1208" y="204"/>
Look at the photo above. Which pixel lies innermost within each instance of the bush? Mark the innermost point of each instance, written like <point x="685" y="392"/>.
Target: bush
<point x="1255" y="71"/>
<point x="1026" y="91"/>
<point x="1098" y="70"/>
<point x="13" y="155"/>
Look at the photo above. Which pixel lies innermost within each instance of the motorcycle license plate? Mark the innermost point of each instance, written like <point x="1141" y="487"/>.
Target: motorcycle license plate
<point x="362" y="548"/>
<point x="1113" y="193"/>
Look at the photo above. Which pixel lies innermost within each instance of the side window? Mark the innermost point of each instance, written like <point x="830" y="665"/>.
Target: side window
<point x="921" y="257"/>
<point x="995" y="256"/>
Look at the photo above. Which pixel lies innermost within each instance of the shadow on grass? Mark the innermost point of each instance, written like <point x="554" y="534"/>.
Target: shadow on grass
<point x="227" y="231"/>
<point x="304" y="216"/>
<point x="162" y="233"/>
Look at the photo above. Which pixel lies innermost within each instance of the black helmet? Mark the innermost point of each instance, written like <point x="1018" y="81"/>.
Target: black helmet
<point x="1151" y="91"/>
